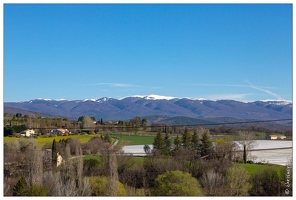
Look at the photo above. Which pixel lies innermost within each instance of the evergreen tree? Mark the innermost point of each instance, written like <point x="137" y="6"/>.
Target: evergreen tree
<point x="245" y="154"/>
<point x="54" y="154"/>
<point x="206" y="144"/>
<point x="168" y="144"/>
<point x="195" y="142"/>
<point x="159" y="142"/>
<point x="186" y="138"/>
<point x="144" y="123"/>
<point x="20" y="189"/>
<point x="177" y="143"/>
<point x="18" y="115"/>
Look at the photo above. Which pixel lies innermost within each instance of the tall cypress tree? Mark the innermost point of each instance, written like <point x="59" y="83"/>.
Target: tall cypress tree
<point x="54" y="154"/>
<point x="245" y="154"/>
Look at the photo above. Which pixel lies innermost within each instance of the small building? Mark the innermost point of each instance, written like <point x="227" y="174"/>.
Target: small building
<point x="28" y="133"/>
<point x="275" y="137"/>
<point x="59" y="131"/>
<point x="47" y="153"/>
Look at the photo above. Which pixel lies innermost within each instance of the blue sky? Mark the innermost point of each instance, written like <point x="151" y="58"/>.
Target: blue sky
<point x="215" y="51"/>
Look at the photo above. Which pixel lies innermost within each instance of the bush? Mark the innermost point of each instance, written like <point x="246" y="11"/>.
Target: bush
<point x="176" y="183"/>
<point x="99" y="185"/>
<point x="266" y="183"/>
<point x="250" y="162"/>
<point x="37" y="190"/>
<point x="237" y="179"/>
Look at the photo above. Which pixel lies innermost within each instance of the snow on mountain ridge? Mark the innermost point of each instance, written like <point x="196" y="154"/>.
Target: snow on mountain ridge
<point x="99" y="100"/>
<point x="160" y="97"/>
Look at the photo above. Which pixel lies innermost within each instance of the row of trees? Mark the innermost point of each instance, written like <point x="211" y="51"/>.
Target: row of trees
<point x="196" y="143"/>
<point x="45" y="124"/>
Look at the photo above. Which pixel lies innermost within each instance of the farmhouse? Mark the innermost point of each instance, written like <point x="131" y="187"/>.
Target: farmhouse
<point x="28" y="133"/>
<point x="275" y="137"/>
<point x="59" y="131"/>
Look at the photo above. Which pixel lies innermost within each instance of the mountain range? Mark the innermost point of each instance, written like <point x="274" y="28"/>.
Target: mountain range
<point x="154" y="105"/>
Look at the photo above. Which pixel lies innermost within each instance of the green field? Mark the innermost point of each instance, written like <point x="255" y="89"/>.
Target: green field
<point x="42" y="141"/>
<point x="124" y="138"/>
<point x="252" y="168"/>
<point x="131" y="139"/>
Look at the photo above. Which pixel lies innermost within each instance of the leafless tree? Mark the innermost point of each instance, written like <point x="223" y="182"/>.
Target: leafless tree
<point x="247" y="141"/>
<point x="68" y="164"/>
<point x="35" y="165"/>
<point x="69" y="181"/>
<point x="212" y="181"/>
<point x="113" y="175"/>
<point x="79" y="167"/>
<point x="50" y="181"/>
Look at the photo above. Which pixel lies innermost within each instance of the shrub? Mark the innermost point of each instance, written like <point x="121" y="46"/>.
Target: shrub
<point x="99" y="185"/>
<point x="237" y="180"/>
<point x="265" y="183"/>
<point x="37" y="190"/>
<point x="176" y="183"/>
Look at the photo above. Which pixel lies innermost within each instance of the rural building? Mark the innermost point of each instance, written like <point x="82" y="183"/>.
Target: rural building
<point x="59" y="131"/>
<point x="275" y="137"/>
<point x="28" y="133"/>
<point x="47" y="153"/>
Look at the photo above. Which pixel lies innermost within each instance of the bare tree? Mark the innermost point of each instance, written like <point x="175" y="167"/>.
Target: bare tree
<point x="68" y="181"/>
<point x="35" y="165"/>
<point x="212" y="181"/>
<point x="86" y="187"/>
<point x="87" y="123"/>
<point x="113" y="176"/>
<point x="247" y="141"/>
<point x="68" y="164"/>
<point x="79" y="167"/>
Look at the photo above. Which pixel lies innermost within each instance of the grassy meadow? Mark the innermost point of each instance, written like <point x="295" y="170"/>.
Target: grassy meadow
<point x="43" y="140"/>
<point x="124" y="138"/>
<point x="252" y="168"/>
<point x="132" y="139"/>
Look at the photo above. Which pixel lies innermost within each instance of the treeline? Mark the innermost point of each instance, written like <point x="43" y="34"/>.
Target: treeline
<point x="15" y="123"/>
<point x="43" y="125"/>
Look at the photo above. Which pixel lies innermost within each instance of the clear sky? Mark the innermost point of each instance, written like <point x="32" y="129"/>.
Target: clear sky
<point x="215" y="51"/>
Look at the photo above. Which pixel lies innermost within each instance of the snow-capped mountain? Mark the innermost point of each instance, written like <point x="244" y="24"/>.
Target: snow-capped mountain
<point x="146" y="105"/>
